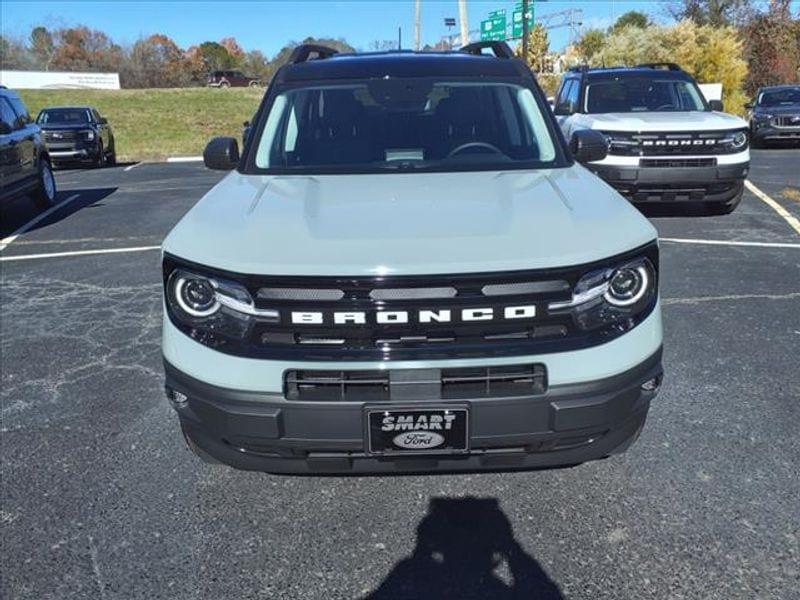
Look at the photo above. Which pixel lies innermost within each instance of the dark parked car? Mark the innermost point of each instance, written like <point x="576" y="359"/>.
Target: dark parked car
<point x="775" y="115"/>
<point x="226" y="79"/>
<point x="24" y="163"/>
<point x="77" y="134"/>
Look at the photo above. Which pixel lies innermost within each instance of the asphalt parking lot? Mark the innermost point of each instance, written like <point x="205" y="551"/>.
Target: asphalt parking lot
<point x="101" y="499"/>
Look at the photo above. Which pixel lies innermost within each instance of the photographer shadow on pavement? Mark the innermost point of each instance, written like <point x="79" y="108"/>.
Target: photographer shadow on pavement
<point x="466" y="549"/>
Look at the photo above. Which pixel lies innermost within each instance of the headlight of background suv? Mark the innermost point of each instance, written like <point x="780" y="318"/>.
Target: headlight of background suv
<point x="212" y="309"/>
<point x="88" y="135"/>
<point x="612" y="296"/>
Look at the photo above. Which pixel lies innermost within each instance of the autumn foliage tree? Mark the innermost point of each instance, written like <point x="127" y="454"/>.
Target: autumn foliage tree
<point x="84" y="49"/>
<point x="538" y="48"/>
<point x="155" y="61"/>
<point x="773" y="47"/>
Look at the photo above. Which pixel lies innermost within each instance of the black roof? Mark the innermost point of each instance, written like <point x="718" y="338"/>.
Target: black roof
<point x="647" y="72"/>
<point x="403" y="63"/>
<point x="785" y="86"/>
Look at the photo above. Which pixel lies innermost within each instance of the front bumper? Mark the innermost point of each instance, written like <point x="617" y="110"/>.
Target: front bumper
<point x="721" y="183"/>
<point x="567" y="425"/>
<point x="770" y="133"/>
<point x="73" y="153"/>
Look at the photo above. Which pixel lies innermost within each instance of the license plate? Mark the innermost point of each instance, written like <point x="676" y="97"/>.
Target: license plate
<point x="418" y="430"/>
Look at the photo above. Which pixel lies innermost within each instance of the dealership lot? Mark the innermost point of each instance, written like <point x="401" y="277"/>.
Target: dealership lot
<point x="100" y="498"/>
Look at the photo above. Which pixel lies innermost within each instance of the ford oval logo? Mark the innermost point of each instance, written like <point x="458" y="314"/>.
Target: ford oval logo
<point x="419" y="440"/>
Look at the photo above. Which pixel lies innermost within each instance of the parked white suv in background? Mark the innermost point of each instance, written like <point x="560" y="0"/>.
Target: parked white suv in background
<point x="666" y="142"/>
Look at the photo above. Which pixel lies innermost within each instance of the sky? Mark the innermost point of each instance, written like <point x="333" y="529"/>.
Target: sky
<point x="271" y="24"/>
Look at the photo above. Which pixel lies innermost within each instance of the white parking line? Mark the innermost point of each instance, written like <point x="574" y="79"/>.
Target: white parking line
<point x="730" y="243"/>
<point x="79" y="253"/>
<point x="4" y="243"/>
<point x="179" y="159"/>
<point x="789" y="218"/>
<point x="133" y="166"/>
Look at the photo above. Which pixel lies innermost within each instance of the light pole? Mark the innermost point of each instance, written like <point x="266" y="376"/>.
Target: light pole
<point x="417" y="24"/>
<point x="462" y="16"/>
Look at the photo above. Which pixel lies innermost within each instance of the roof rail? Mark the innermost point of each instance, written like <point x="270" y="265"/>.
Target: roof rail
<point x="579" y="69"/>
<point x="500" y="49"/>
<point x="669" y="66"/>
<point x="303" y="53"/>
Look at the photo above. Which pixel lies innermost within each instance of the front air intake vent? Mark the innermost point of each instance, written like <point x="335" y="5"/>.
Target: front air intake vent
<point x="447" y="384"/>
<point x="494" y="382"/>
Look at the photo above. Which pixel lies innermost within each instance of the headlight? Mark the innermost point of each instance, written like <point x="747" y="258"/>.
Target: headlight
<point x="627" y="285"/>
<point x="196" y="295"/>
<point x="89" y="135"/>
<point x="762" y="117"/>
<point x="612" y="296"/>
<point x="620" y="143"/>
<point x="212" y="309"/>
<point x="739" y="139"/>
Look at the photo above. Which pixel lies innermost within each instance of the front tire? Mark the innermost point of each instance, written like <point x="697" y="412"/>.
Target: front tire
<point x="100" y="161"/>
<point x="45" y="194"/>
<point x="111" y="159"/>
<point x="224" y="85"/>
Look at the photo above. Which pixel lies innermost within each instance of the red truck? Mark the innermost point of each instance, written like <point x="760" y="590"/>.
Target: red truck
<point x="226" y="79"/>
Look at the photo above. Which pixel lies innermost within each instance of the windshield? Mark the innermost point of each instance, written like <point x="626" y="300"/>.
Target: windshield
<point x="64" y="116"/>
<point x="642" y="95"/>
<point x="780" y="97"/>
<point x="396" y="124"/>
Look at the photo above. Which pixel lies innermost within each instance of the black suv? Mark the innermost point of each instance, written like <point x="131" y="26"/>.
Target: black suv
<point x="24" y="162"/>
<point x="77" y="134"/>
<point x="775" y="114"/>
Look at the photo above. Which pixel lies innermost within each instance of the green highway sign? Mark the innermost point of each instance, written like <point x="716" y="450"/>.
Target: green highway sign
<point x="516" y="22"/>
<point x="494" y="27"/>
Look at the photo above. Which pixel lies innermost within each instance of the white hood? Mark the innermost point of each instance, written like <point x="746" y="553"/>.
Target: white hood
<point x="408" y="223"/>
<point x="663" y="121"/>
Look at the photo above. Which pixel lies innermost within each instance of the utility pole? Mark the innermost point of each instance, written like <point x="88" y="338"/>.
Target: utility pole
<point x="417" y="24"/>
<point x="462" y="16"/>
<point x="525" y="31"/>
<point x="399" y="38"/>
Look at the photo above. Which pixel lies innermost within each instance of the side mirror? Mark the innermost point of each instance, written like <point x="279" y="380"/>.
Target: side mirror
<point x="103" y="121"/>
<point x="749" y="106"/>
<point x="716" y="105"/>
<point x="221" y="153"/>
<point x="588" y="145"/>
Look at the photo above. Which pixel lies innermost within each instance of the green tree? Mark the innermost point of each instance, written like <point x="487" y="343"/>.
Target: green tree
<point x="215" y="56"/>
<point x="632" y="18"/>
<point x="591" y="44"/>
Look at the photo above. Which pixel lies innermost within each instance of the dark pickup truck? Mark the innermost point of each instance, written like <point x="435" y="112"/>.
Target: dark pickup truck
<point x="77" y="134"/>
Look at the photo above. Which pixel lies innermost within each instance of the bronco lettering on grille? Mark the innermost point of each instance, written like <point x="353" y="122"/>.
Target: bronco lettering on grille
<point x="391" y="317"/>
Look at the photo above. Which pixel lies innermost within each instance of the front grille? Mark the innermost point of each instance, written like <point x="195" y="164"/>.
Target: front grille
<point x="60" y="136"/>
<point x="787" y="121"/>
<point x="670" y="143"/>
<point x="472" y="315"/>
<point x="446" y="384"/>
<point x="677" y="162"/>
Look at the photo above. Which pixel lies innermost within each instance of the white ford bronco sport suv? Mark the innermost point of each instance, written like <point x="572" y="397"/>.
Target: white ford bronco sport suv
<point x="406" y="270"/>
<point x="666" y="142"/>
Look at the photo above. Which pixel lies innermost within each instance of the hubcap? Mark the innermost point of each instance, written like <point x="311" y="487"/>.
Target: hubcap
<point x="48" y="182"/>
